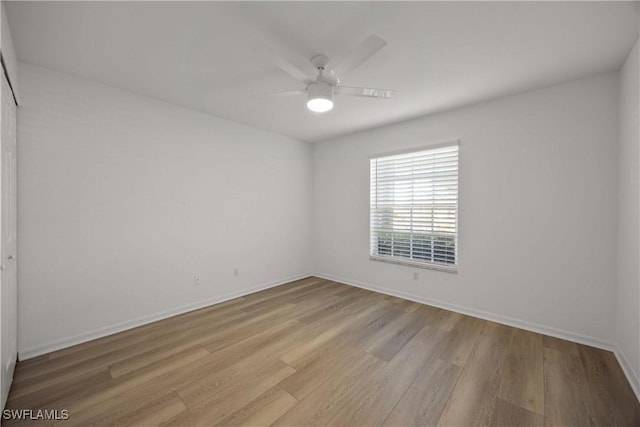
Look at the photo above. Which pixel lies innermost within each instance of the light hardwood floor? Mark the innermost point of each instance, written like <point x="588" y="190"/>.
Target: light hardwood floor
<point x="315" y="352"/>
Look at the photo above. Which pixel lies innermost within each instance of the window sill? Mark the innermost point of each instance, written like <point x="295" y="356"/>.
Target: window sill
<point x="428" y="266"/>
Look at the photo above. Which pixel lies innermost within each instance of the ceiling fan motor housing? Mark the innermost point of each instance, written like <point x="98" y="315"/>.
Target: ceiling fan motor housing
<point x="320" y="90"/>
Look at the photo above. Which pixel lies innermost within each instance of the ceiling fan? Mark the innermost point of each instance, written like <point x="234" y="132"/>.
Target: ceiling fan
<point x="321" y="89"/>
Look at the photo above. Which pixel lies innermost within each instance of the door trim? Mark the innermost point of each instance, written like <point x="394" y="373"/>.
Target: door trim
<point x="6" y="75"/>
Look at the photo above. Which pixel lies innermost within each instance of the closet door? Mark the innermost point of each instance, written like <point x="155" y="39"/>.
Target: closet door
<point x="8" y="213"/>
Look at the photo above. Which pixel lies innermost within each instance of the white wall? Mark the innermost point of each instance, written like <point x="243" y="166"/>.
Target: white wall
<point x="537" y="222"/>
<point x="123" y="199"/>
<point x="628" y="291"/>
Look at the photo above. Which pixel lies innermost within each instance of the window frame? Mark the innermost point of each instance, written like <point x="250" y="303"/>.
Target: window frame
<point x="453" y="268"/>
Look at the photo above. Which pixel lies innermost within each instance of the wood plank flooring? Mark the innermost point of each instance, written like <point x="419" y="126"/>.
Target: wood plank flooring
<point x="315" y="352"/>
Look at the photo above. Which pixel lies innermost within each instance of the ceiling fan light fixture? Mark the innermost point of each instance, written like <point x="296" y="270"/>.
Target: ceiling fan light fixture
<point x="320" y="98"/>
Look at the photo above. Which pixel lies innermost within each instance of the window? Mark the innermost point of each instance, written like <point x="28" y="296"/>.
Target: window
<point x="414" y="207"/>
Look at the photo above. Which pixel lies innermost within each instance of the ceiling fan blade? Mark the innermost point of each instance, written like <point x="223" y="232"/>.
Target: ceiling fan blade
<point x="366" y="50"/>
<point x="364" y="91"/>
<point x="288" y="66"/>
<point x="288" y="93"/>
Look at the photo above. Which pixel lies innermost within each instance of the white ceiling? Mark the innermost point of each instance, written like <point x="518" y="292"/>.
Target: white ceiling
<point x="440" y="55"/>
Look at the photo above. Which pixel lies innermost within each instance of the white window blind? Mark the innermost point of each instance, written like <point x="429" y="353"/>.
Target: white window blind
<point x="414" y="207"/>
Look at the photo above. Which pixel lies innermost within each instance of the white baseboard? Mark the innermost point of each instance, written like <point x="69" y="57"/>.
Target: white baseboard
<point x="505" y="320"/>
<point x="48" y="347"/>
<point x="630" y="373"/>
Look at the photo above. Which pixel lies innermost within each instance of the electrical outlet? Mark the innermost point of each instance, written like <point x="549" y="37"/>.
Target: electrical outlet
<point x="416" y="276"/>
<point x="236" y="272"/>
<point x="196" y="281"/>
